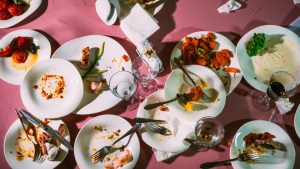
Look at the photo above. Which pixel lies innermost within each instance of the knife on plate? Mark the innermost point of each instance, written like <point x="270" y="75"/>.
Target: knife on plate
<point x="47" y="128"/>
<point x="145" y="120"/>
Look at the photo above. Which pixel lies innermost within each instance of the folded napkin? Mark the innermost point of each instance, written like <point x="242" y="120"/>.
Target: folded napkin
<point x="284" y="105"/>
<point x="231" y="5"/>
<point x="161" y="155"/>
<point x="138" y="25"/>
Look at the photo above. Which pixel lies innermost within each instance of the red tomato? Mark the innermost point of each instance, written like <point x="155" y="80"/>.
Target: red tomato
<point x="3" y="5"/>
<point x="15" y="9"/>
<point x="19" y="56"/>
<point x="4" y="15"/>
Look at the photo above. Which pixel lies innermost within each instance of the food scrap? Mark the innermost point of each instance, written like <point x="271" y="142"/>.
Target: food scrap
<point x="202" y="51"/>
<point x="51" y="86"/>
<point x="119" y="160"/>
<point x="163" y="108"/>
<point x="85" y="58"/>
<point x="126" y="58"/>
<point x="10" y="8"/>
<point x="97" y="87"/>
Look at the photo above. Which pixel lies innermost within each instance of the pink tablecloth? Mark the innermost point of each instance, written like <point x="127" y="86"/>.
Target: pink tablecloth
<point x="63" y="20"/>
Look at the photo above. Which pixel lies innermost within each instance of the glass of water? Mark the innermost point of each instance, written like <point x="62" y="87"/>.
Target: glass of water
<point x="123" y="85"/>
<point x="209" y="132"/>
<point x="146" y="70"/>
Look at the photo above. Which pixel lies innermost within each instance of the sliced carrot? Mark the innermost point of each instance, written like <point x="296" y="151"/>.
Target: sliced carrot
<point x="204" y="39"/>
<point x="225" y="62"/>
<point x="197" y="91"/>
<point x="211" y="35"/>
<point x="231" y="69"/>
<point x="216" y="63"/>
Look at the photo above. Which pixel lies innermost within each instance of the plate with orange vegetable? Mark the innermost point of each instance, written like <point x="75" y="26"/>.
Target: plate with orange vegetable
<point x="211" y="50"/>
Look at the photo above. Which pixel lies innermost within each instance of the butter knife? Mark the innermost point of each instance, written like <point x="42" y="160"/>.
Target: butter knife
<point x="47" y="128"/>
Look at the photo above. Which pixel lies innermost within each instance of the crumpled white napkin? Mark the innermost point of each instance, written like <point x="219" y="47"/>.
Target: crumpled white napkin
<point x="161" y="155"/>
<point x="284" y="105"/>
<point x="231" y="5"/>
<point x="139" y="24"/>
<point x="296" y="1"/>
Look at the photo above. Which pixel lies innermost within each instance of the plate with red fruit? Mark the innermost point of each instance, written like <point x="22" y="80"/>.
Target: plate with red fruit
<point x="14" y="11"/>
<point x="19" y="51"/>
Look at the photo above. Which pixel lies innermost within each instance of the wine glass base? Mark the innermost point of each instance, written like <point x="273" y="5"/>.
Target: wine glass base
<point x="145" y="90"/>
<point x="261" y="101"/>
<point x="130" y="104"/>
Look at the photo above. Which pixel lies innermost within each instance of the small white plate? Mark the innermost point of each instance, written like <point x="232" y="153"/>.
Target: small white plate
<point x="10" y="151"/>
<point x="297" y="121"/>
<point x="224" y="43"/>
<point x="173" y="143"/>
<point x="34" y="5"/>
<point x="110" y="60"/>
<point x="262" y="126"/>
<point x="247" y="67"/>
<point x="177" y="78"/>
<point x="10" y="74"/>
<point x="87" y="142"/>
<point x="56" y="107"/>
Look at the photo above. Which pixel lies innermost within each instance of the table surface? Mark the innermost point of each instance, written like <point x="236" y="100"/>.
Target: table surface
<point x="64" y="20"/>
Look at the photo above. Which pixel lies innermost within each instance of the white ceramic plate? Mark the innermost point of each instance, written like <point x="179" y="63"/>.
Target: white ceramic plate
<point x="10" y="151"/>
<point x="177" y="79"/>
<point x="262" y="126"/>
<point x="10" y="74"/>
<point x="297" y="121"/>
<point x="56" y="107"/>
<point x="34" y="5"/>
<point x="173" y="143"/>
<point x="247" y="67"/>
<point x="103" y="15"/>
<point x="87" y="142"/>
<point x="224" y="43"/>
<point x="72" y="50"/>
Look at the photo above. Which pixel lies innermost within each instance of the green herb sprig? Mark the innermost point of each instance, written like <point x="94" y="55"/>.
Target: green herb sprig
<point x="256" y="45"/>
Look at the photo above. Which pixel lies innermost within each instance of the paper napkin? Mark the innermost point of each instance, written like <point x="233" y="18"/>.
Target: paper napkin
<point x="284" y="105"/>
<point x="161" y="155"/>
<point x="138" y="25"/>
<point x="231" y="5"/>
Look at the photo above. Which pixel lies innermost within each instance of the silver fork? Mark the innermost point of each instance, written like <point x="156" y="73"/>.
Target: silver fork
<point x="37" y="157"/>
<point x="155" y="128"/>
<point x="242" y="157"/>
<point x="100" y="154"/>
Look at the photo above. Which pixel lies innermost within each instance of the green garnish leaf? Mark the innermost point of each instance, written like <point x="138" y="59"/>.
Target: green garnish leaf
<point x="100" y="53"/>
<point x="256" y="45"/>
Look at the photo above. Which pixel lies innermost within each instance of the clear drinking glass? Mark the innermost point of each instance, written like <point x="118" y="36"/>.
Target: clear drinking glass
<point x="146" y="71"/>
<point x="281" y="85"/>
<point x="209" y="132"/>
<point x="123" y="85"/>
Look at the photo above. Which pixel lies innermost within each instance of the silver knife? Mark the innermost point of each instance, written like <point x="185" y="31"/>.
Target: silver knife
<point x="47" y="128"/>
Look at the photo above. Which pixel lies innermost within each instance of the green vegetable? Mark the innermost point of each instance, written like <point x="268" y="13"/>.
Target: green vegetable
<point x="100" y="53"/>
<point x="96" y="73"/>
<point x="256" y="45"/>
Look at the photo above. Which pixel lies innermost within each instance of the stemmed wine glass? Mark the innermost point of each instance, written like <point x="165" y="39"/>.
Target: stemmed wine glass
<point x="282" y="85"/>
<point x="209" y="132"/>
<point x="123" y="85"/>
<point x="146" y="71"/>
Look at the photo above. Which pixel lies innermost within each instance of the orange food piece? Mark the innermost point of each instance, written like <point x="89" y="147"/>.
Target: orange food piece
<point x="195" y="42"/>
<point x="126" y="58"/>
<point x="231" y="69"/>
<point x="219" y="57"/>
<point x="226" y="53"/>
<point x="211" y="35"/>
<point x="188" y="40"/>
<point x="202" y="61"/>
<point x="225" y="62"/>
<point x="204" y="39"/>
<point x="216" y="63"/>
<point x="212" y="44"/>
<point x="204" y="46"/>
<point x="197" y="91"/>
<point x="20" y="56"/>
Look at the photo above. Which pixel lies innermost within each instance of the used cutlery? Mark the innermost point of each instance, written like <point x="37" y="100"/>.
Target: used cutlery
<point x="242" y="157"/>
<point x="145" y="120"/>
<point x="37" y="157"/>
<point x="47" y="128"/>
<point x="155" y="128"/>
<point x="100" y="154"/>
<point x="181" y="97"/>
<point x="204" y="97"/>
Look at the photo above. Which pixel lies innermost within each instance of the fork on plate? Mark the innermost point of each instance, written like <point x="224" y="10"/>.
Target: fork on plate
<point x="155" y="128"/>
<point x="38" y="155"/>
<point x="104" y="151"/>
